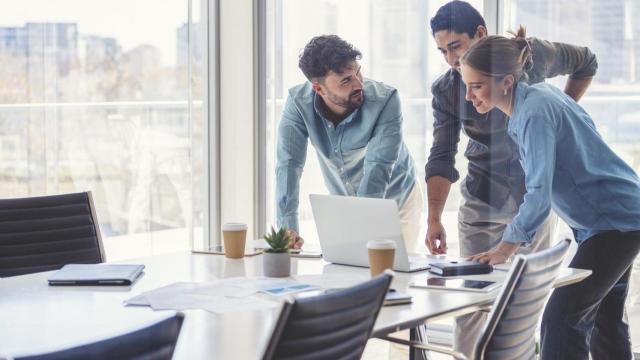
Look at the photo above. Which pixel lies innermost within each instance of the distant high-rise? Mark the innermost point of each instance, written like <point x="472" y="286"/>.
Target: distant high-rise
<point x="182" y="44"/>
<point x="611" y="42"/>
<point x="101" y="52"/>
<point x="39" y="52"/>
<point x="56" y="41"/>
<point x="634" y="27"/>
<point x="13" y="41"/>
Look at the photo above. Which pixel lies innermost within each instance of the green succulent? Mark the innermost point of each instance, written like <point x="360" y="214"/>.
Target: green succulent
<point x="278" y="241"/>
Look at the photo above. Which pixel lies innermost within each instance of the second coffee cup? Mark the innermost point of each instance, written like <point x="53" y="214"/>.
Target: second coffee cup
<point x="234" y="236"/>
<point x="381" y="255"/>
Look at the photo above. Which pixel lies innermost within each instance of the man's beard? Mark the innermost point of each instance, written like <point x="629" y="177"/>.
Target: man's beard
<point x="354" y="101"/>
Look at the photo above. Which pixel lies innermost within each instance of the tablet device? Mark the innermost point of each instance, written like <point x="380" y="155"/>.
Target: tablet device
<point x="96" y="274"/>
<point x="395" y="297"/>
<point x="456" y="284"/>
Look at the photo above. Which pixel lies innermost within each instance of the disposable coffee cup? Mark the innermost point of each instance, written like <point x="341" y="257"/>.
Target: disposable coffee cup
<point x="234" y="236"/>
<point x="381" y="255"/>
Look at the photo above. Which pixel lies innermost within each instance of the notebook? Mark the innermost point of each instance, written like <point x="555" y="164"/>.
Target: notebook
<point x="459" y="268"/>
<point x="96" y="274"/>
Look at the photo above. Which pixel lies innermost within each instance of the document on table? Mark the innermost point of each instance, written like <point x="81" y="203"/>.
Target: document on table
<point x="222" y="296"/>
<point x="332" y="281"/>
<point x="271" y="286"/>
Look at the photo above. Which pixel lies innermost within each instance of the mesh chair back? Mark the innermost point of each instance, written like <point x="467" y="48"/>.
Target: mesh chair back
<point x="336" y="325"/>
<point x="44" y="233"/>
<point x="509" y="333"/>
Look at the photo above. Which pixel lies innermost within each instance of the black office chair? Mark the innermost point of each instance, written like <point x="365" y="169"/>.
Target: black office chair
<point x="336" y="325"/>
<point x="44" y="233"/>
<point x="155" y="342"/>
<point x="509" y="332"/>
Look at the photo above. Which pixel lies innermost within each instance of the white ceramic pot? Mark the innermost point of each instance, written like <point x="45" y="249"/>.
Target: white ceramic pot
<point x="276" y="264"/>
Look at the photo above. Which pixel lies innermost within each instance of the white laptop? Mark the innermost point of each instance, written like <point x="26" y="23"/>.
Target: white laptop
<point x="346" y="223"/>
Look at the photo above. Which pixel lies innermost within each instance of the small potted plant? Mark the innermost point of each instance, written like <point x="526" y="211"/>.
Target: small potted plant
<point x="275" y="260"/>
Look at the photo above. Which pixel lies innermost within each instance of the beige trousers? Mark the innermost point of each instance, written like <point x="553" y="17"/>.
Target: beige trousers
<point x="411" y="218"/>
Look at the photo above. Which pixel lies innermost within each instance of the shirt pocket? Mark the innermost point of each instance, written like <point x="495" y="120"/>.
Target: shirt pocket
<point x="354" y="155"/>
<point x="353" y="141"/>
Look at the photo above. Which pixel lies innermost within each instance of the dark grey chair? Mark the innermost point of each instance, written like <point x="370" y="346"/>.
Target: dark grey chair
<point x="336" y="325"/>
<point x="44" y="233"/>
<point x="155" y="342"/>
<point x="509" y="332"/>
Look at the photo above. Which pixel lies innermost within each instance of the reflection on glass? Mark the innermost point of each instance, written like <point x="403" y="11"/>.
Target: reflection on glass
<point x="611" y="28"/>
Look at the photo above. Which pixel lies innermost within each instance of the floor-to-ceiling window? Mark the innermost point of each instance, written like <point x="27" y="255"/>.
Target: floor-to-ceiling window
<point x="397" y="48"/>
<point x="109" y="96"/>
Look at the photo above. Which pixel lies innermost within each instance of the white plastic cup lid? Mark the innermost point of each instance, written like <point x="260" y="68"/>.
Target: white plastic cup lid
<point x="234" y="226"/>
<point x="381" y="244"/>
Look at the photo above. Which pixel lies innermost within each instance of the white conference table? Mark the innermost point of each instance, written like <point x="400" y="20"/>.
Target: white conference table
<point x="35" y="317"/>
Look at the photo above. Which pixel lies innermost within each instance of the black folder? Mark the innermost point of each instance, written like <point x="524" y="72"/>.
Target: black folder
<point x="96" y="274"/>
<point x="458" y="268"/>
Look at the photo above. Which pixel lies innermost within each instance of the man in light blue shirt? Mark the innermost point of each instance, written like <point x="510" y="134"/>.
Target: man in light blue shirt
<point x="355" y="126"/>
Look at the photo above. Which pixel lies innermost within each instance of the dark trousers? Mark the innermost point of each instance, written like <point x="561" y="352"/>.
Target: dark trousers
<point x="589" y="316"/>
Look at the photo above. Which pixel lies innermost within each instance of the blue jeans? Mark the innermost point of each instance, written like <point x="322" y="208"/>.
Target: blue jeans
<point x="589" y="316"/>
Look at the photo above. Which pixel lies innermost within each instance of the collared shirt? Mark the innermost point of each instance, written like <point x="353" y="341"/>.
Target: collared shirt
<point x="569" y="167"/>
<point x="494" y="169"/>
<point x="364" y="155"/>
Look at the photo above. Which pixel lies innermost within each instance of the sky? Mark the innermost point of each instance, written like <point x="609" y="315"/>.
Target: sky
<point x="132" y="22"/>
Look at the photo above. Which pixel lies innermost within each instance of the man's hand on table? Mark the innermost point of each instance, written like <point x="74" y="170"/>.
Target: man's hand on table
<point x="295" y="241"/>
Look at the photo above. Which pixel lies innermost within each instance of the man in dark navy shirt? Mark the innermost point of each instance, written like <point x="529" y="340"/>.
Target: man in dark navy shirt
<point x="494" y="186"/>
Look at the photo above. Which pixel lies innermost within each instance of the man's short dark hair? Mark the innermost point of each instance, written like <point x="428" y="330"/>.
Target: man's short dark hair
<point x="458" y="16"/>
<point x="326" y="53"/>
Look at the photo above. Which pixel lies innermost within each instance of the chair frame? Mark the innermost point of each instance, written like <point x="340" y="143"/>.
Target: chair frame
<point x="497" y="309"/>
<point x="285" y="313"/>
<point x="272" y="346"/>
<point x="94" y="217"/>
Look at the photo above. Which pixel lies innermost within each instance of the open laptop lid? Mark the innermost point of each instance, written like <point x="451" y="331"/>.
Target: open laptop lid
<point x="345" y="224"/>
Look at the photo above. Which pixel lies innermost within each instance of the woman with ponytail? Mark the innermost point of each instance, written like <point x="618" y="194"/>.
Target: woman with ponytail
<point x="570" y="168"/>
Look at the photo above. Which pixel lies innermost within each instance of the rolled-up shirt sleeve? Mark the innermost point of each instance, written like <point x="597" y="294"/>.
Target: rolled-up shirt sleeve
<point x="536" y="140"/>
<point x="291" y="155"/>
<point x="553" y="59"/>
<point x="382" y="150"/>
<point x="446" y="136"/>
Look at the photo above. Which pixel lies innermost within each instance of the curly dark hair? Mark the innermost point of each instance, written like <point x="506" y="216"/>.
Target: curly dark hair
<point x="458" y="16"/>
<point x="326" y="53"/>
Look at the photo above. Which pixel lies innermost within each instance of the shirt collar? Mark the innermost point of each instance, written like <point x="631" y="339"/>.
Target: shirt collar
<point x="521" y="90"/>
